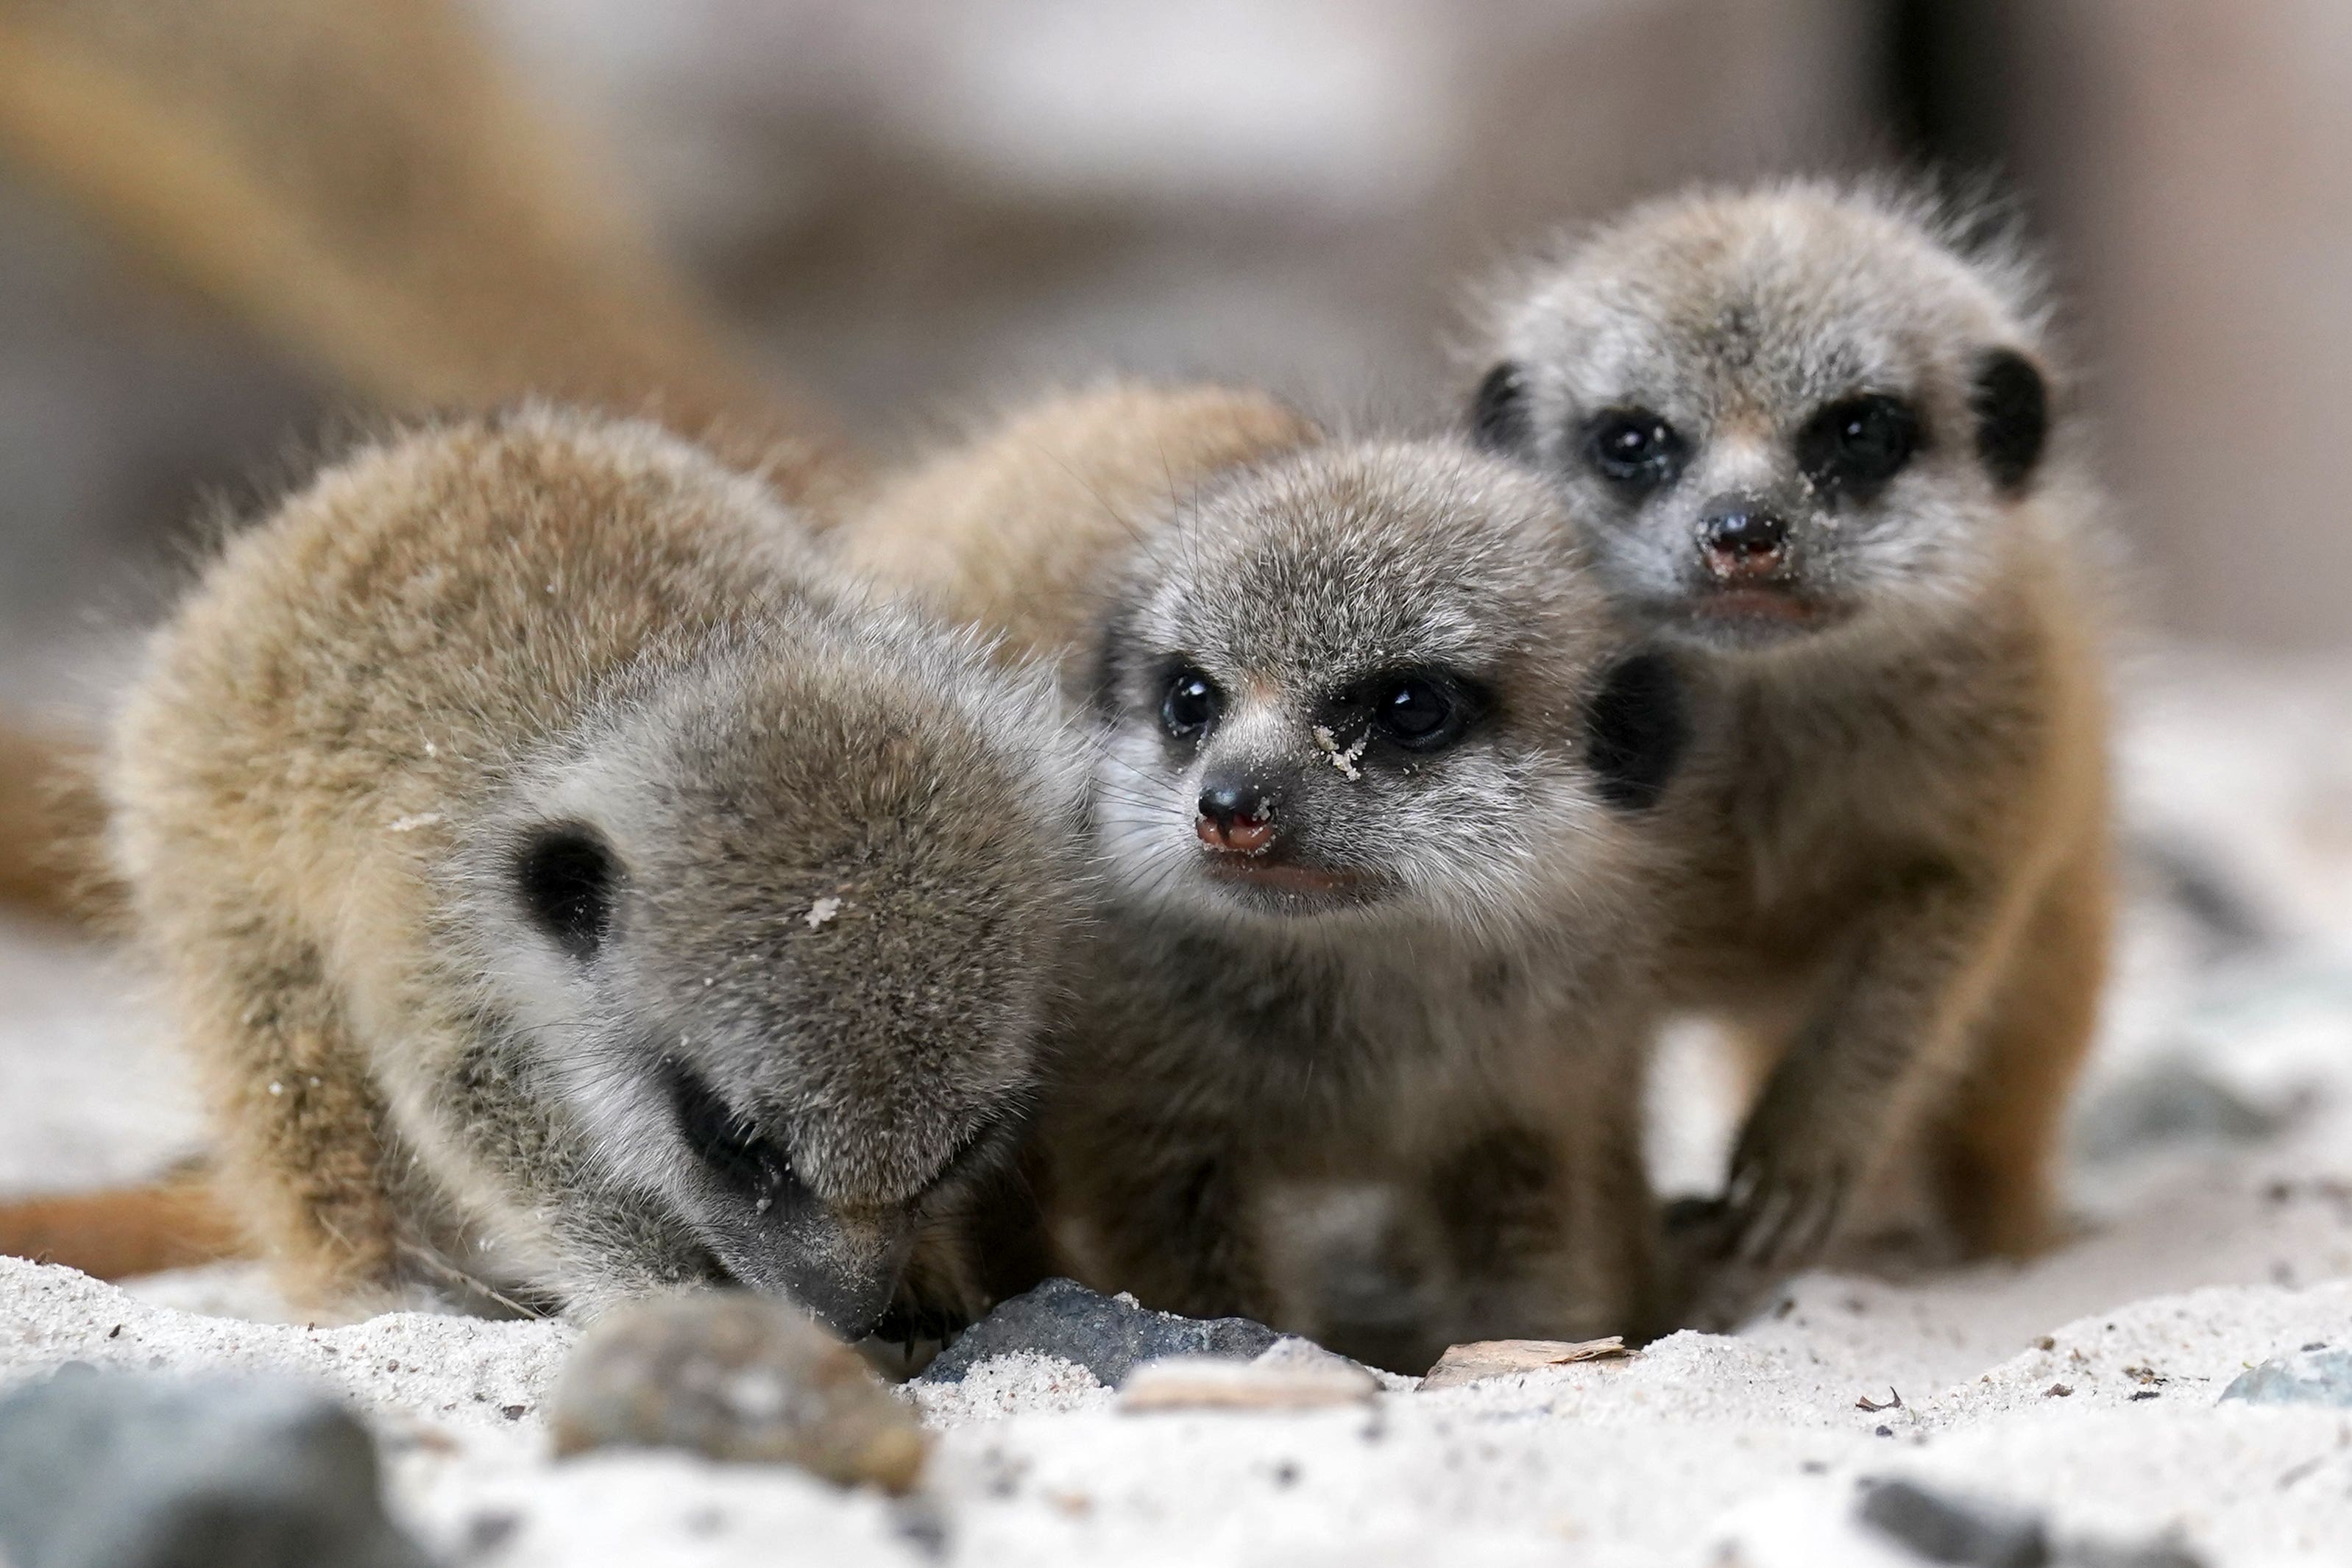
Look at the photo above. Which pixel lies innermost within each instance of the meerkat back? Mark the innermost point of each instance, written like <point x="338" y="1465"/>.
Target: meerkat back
<point x="571" y="887"/>
<point x="1820" y="452"/>
<point x="1019" y="530"/>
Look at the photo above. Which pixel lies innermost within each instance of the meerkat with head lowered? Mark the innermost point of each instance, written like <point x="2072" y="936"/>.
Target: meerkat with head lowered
<point x="572" y="887"/>
<point x="1355" y="1045"/>
<point x="1809" y="432"/>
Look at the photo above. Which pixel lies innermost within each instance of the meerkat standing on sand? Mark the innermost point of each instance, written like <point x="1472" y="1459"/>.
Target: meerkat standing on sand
<point x="1808" y="434"/>
<point x="1370" y="924"/>
<point x="1361" y="817"/>
<point x="571" y="886"/>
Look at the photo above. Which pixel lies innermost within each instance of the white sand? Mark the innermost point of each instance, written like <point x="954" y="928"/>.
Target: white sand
<point x="2201" y="1256"/>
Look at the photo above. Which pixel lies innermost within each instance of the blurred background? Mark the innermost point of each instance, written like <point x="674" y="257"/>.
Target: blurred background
<point x="922" y="209"/>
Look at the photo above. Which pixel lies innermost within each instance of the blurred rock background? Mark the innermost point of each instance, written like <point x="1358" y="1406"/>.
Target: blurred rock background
<point x="923" y="208"/>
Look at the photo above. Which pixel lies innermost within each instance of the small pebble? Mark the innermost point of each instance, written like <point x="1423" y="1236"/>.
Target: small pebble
<point x="1108" y="1335"/>
<point x="1211" y="1383"/>
<point x="1495" y="1357"/>
<point x="737" y="1376"/>
<point x="1944" y="1528"/>
<point x="2307" y="1377"/>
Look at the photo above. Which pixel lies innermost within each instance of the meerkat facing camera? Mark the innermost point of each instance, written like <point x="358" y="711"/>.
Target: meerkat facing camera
<point x="571" y="886"/>
<point x="1808" y="434"/>
<point x="1372" y="924"/>
<point x="1354" y="1045"/>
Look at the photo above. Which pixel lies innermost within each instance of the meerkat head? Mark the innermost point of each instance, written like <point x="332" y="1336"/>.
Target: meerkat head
<point x="776" y="925"/>
<point x="1778" y="412"/>
<point x="1370" y="683"/>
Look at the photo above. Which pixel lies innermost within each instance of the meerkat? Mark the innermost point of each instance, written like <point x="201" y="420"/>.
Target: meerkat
<point x="1358" y="1046"/>
<point x="1815" y="441"/>
<point x="572" y="887"/>
<point x="1258" y="1110"/>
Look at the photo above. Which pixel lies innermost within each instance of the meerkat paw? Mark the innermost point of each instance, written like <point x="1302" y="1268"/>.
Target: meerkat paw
<point x="1786" y="1198"/>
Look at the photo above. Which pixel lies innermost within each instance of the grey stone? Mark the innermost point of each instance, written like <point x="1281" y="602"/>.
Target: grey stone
<point x="1941" y="1528"/>
<point x="131" y="1470"/>
<point x="734" y="1376"/>
<point x="2168" y="1102"/>
<point x="2162" y="1552"/>
<point x="1108" y="1335"/>
<point x="2307" y="1377"/>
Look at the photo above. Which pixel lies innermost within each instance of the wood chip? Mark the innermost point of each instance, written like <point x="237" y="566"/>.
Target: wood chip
<point x="1213" y="1382"/>
<point x="1495" y="1357"/>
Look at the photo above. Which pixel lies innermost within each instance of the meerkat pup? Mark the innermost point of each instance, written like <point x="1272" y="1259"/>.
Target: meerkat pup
<point x="1354" y="1047"/>
<point x="1360" y="1049"/>
<point x="571" y="886"/>
<point x="1807" y="432"/>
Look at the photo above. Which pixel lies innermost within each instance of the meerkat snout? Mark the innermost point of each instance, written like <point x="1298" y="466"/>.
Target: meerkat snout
<point x="766" y="1228"/>
<point x="1235" y="814"/>
<point x="1742" y="540"/>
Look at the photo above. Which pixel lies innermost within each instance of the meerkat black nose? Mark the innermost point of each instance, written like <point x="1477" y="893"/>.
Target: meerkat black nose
<point x="1234" y="815"/>
<point x="1742" y="540"/>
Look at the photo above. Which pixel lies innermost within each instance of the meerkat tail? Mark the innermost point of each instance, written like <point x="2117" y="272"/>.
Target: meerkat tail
<point x="118" y="1232"/>
<point x="51" y="860"/>
<point x="364" y="185"/>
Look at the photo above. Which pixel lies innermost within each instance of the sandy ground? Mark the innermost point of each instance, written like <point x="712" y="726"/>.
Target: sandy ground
<point x="2213" y="1176"/>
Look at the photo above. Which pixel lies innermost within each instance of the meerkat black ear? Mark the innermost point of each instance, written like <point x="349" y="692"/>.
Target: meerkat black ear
<point x="1635" y="729"/>
<point x="1499" y="411"/>
<point x="2012" y="404"/>
<point x="1102" y="670"/>
<point x="565" y="877"/>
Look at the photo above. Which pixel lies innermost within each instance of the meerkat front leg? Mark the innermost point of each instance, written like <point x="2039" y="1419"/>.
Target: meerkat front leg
<point x="1888" y="1024"/>
<point x="301" y="1155"/>
<point x="1997" y="1139"/>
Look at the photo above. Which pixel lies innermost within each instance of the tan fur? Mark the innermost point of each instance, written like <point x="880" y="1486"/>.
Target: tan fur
<point x="1020" y="529"/>
<point x="125" y="1231"/>
<point x="1895" y="817"/>
<point x="51" y="820"/>
<point x="323" y="784"/>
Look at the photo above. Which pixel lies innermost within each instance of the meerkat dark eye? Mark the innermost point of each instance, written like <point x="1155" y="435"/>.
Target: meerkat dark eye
<point x="1634" y="448"/>
<point x="565" y="877"/>
<point x="1190" y="704"/>
<point x="1858" y="443"/>
<point x="1421" y="713"/>
<point x="730" y="1146"/>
